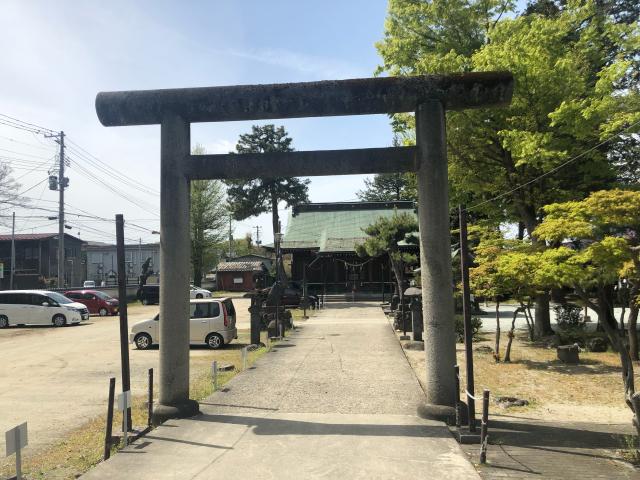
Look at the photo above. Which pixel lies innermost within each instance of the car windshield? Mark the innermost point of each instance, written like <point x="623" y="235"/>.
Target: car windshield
<point x="102" y="296"/>
<point x="59" y="298"/>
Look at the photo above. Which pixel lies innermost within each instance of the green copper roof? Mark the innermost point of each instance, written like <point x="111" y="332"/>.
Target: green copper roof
<point x="335" y="227"/>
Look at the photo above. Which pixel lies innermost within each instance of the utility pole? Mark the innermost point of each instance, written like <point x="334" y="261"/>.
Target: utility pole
<point x="62" y="183"/>
<point x="257" y="227"/>
<point x="140" y="254"/>
<point x="13" y="250"/>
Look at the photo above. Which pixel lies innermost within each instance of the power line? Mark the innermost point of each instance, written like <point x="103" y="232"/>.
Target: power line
<point x="102" y="166"/>
<point x="21" y="124"/>
<point x="553" y="170"/>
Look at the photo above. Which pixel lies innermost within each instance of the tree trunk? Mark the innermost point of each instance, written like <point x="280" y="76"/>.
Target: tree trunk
<point x="275" y="219"/>
<point x="527" y="316"/>
<point x="510" y="335"/>
<point x="624" y="311"/>
<point x="633" y="333"/>
<point x="542" y="320"/>
<point x="398" y="272"/>
<point x="634" y="298"/>
<point x="609" y="324"/>
<point x="496" y="353"/>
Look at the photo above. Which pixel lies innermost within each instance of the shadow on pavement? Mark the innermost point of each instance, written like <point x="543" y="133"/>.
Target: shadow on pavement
<point x="275" y="426"/>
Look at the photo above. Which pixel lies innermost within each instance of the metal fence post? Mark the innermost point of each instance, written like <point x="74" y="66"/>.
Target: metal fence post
<point x="484" y="427"/>
<point x="150" y="398"/>
<point x="109" y="427"/>
<point x="457" y="397"/>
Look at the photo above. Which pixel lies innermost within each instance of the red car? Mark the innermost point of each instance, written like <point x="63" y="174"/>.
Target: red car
<point x="96" y="302"/>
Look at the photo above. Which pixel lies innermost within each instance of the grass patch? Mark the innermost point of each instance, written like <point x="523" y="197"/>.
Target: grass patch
<point x="82" y="448"/>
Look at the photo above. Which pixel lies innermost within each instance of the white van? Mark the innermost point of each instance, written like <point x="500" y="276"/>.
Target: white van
<point x="213" y="322"/>
<point x="38" y="307"/>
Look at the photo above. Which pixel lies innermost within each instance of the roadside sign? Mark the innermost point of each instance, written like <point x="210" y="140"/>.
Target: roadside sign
<point x="124" y="400"/>
<point x="1" y="270"/>
<point x="16" y="439"/>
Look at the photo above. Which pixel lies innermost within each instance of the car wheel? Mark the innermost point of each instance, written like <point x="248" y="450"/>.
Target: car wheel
<point x="59" y="321"/>
<point x="4" y="321"/>
<point x="214" y="340"/>
<point x="145" y="301"/>
<point x="103" y="312"/>
<point x="143" y="341"/>
<point x="198" y="295"/>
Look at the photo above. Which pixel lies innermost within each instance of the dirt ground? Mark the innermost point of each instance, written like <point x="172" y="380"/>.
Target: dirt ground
<point x="57" y="379"/>
<point x="590" y="392"/>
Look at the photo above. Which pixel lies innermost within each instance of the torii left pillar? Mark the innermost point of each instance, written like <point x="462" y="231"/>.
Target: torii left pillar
<point x="175" y="247"/>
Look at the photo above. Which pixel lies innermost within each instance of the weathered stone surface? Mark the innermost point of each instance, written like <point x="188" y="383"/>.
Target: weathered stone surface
<point x="359" y="96"/>
<point x="569" y="353"/>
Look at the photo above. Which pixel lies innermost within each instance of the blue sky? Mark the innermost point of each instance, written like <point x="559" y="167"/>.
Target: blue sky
<point x="58" y="55"/>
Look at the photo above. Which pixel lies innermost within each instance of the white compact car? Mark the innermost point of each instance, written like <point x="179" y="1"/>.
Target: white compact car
<point x="197" y="292"/>
<point x="38" y="307"/>
<point x="213" y="322"/>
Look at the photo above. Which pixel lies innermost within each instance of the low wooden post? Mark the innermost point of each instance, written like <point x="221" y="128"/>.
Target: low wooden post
<point x="457" y="397"/>
<point x="484" y="427"/>
<point x="150" y="398"/>
<point x="109" y="427"/>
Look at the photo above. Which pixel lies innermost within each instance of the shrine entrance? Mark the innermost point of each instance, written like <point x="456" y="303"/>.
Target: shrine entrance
<point x="427" y="96"/>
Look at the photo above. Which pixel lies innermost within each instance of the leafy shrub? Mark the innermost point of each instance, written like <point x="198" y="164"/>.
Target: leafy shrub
<point x="476" y="325"/>
<point x="569" y="317"/>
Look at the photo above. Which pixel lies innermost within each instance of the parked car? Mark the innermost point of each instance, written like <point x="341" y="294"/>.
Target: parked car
<point x="38" y="307"/>
<point x="149" y="294"/>
<point x="96" y="301"/>
<point x="197" y="292"/>
<point x="89" y="284"/>
<point x="213" y="322"/>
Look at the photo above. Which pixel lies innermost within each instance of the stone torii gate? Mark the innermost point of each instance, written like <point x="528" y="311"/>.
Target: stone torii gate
<point x="175" y="109"/>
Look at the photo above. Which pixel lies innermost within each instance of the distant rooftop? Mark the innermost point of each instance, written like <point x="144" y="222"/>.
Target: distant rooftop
<point x="336" y="227"/>
<point x="33" y="236"/>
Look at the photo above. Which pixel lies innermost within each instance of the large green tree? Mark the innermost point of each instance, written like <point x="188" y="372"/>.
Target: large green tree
<point x="568" y="69"/>
<point x="252" y="197"/>
<point x="208" y="217"/>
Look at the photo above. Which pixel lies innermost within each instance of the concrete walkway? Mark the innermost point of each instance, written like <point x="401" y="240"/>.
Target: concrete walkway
<point x="337" y="399"/>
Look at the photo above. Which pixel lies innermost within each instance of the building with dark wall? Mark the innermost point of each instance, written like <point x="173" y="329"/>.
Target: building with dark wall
<point x="321" y="238"/>
<point x="37" y="260"/>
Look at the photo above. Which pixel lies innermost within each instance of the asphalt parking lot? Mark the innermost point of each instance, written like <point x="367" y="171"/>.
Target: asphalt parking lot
<point x="57" y="378"/>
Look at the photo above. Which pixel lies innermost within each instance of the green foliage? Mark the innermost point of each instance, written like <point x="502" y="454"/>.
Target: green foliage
<point x="568" y="316"/>
<point x="208" y="215"/>
<point x="388" y="187"/>
<point x="604" y="227"/>
<point x="384" y="235"/>
<point x="570" y="66"/>
<point x="476" y="325"/>
<point x="252" y="197"/>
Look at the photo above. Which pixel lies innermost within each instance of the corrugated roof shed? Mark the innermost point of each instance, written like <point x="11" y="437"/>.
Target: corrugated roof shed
<point x="336" y="227"/>
<point x="33" y="236"/>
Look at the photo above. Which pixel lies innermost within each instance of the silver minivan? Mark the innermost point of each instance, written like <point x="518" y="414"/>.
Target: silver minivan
<point x="213" y="322"/>
<point x="38" y="307"/>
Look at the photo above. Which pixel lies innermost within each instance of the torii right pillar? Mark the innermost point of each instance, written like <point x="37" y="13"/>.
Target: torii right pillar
<point x="435" y="262"/>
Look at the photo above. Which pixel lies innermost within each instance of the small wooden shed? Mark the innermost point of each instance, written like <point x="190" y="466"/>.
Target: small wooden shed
<point x="239" y="276"/>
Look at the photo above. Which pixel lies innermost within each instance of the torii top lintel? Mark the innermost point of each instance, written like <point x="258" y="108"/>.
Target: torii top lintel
<point x="363" y="96"/>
